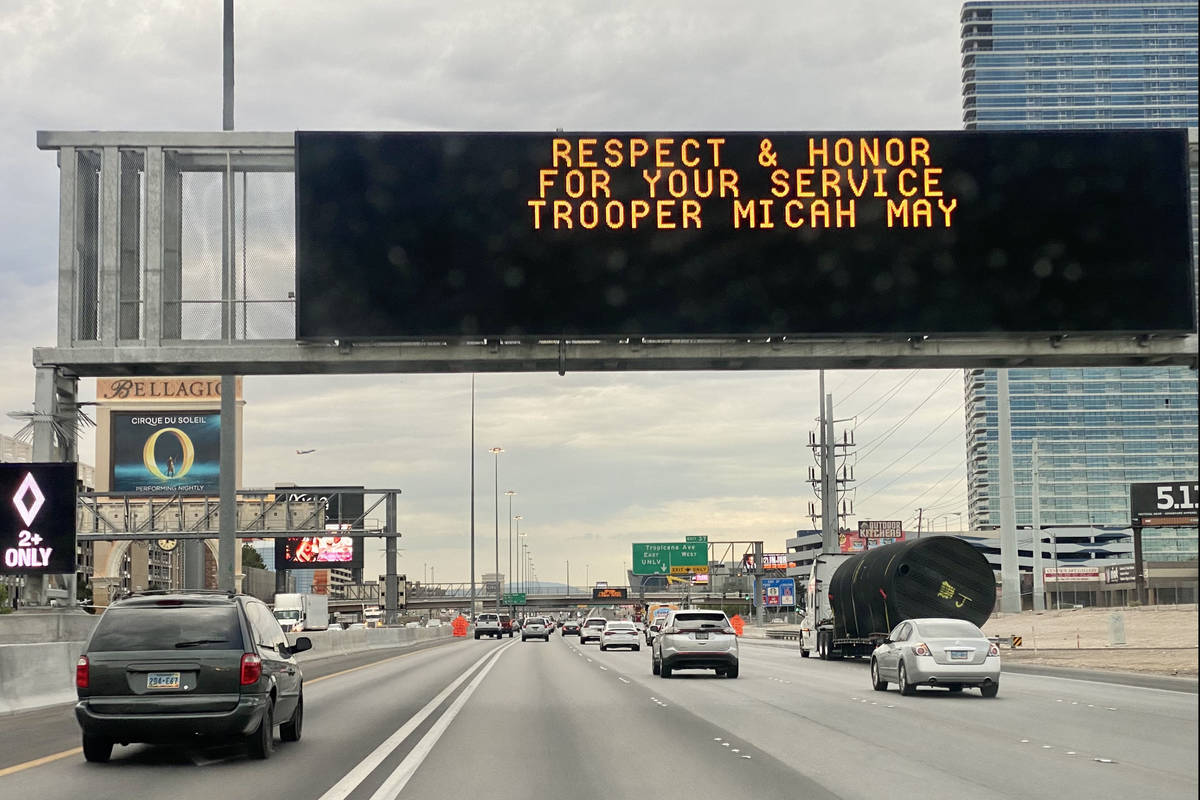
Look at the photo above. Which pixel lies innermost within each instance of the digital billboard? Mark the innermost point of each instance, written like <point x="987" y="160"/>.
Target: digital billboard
<point x="442" y="235"/>
<point x="320" y="552"/>
<point x="37" y="518"/>
<point x="1166" y="504"/>
<point x="166" y="452"/>
<point x="610" y="593"/>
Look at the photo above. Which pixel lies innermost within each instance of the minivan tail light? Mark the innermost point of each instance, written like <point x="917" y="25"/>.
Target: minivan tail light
<point x="81" y="672"/>
<point x="251" y="669"/>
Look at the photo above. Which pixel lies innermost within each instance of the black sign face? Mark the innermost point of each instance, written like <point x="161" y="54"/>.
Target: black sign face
<point x="343" y="511"/>
<point x="880" y="529"/>
<point x="613" y="593"/>
<point x="320" y="552"/>
<point x="444" y="235"/>
<point x="1166" y="504"/>
<point x="37" y="518"/>
<point x="1122" y="573"/>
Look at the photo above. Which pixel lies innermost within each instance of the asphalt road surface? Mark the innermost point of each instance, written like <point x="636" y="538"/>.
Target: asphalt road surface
<point x="485" y="719"/>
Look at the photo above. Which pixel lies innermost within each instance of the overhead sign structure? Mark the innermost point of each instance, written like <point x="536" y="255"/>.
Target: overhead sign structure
<point x="37" y="518"/>
<point x="779" y="591"/>
<point x="1165" y="504"/>
<point x="610" y="593"/>
<point x="462" y="235"/>
<point x="670" y="558"/>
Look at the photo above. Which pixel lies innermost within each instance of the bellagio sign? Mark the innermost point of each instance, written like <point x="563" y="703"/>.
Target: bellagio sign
<point x="37" y="518"/>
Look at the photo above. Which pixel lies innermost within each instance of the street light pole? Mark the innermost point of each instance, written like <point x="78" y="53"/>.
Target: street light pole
<point x="496" y="451"/>
<point x="471" y="614"/>
<point x="510" y="494"/>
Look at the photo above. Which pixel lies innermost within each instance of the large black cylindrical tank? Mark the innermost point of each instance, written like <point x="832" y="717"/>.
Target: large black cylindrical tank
<point x="938" y="576"/>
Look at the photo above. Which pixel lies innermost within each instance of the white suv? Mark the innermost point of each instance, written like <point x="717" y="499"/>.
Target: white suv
<point x="488" y="625"/>
<point x="591" y="629"/>
<point x="695" y="639"/>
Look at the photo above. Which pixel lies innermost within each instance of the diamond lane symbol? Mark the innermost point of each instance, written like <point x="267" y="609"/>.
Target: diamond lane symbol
<point x="28" y="486"/>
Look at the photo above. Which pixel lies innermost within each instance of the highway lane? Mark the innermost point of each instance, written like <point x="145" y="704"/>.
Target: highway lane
<point x="1039" y="738"/>
<point x="510" y="719"/>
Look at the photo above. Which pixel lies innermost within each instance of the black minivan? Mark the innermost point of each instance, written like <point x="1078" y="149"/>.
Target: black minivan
<point x="188" y="666"/>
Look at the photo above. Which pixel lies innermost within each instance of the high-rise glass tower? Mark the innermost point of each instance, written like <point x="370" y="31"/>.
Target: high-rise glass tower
<point x="1055" y="64"/>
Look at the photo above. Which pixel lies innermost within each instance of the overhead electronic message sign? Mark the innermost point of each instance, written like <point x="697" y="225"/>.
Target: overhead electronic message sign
<point x="37" y="518"/>
<point x="442" y="235"/>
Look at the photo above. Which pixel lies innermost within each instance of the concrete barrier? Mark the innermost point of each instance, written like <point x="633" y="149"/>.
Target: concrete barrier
<point x="36" y="675"/>
<point x="37" y="626"/>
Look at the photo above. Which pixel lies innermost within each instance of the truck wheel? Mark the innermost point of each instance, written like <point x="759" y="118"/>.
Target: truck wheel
<point x="906" y="688"/>
<point x="804" y="654"/>
<point x="654" y="667"/>
<point x="877" y="684"/>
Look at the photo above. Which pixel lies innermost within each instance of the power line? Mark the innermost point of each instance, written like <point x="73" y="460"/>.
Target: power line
<point x="888" y="434"/>
<point x="878" y="404"/>
<point x="856" y="388"/>
<point x="942" y="447"/>
<point x="930" y="488"/>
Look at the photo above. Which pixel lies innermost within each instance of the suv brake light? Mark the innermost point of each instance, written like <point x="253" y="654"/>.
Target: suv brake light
<point x="728" y="630"/>
<point x="919" y="649"/>
<point x="251" y="669"/>
<point x="81" y="673"/>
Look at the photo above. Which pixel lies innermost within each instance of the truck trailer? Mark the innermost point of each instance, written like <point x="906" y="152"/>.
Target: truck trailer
<point x="302" y="612"/>
<point x="853" y="601"/>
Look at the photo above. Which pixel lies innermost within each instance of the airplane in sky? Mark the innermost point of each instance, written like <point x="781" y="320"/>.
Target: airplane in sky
<point x="305" y="452"/>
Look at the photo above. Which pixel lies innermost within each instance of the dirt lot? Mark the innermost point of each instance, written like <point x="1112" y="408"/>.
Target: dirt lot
<point x="1158" y="639"/>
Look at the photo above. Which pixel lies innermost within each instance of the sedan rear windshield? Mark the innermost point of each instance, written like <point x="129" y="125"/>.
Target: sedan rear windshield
<point x="168" y="628"/>
<point x="949" y="629"/>
<point x="596" y="623"/>
<point x="695" y="621"/>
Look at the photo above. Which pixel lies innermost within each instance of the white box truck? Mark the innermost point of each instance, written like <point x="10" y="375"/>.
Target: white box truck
<point x="302" y="612"/>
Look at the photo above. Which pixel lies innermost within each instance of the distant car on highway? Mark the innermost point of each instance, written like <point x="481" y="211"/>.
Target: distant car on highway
<point x="571" y="627"/>
<point x="488" y="624"/>
<point x="695" y="639"/>
<point x="950" y="653"/>
<point x="591" y="628"/>
<point x="620" y="633"/>
<point x="536" y="628"/>
<point x="187" y="666"/>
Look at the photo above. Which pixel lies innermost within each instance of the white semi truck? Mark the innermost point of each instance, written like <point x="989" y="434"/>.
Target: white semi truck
<point x="302" y="612"/>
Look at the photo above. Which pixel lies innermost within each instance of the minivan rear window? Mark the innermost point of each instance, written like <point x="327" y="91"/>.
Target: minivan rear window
<point x="168" y="628"/>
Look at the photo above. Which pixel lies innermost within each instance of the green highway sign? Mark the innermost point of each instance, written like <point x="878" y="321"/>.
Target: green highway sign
<point x="703" y="539"/>
<point x="514" y="599"/>
<point x="663" y="558"/>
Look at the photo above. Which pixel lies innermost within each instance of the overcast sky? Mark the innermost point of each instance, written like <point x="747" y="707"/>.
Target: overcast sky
<point x="598" y="460"/>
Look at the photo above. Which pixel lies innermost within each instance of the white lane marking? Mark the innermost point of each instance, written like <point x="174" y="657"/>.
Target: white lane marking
<point x="724" y="744"/>
<point x="395" y="783"/>
<point x="1070" y="752"/>
<point x="343" y="788"/>
<point x="1047" y="747"/>
<point x="1104" y="760"/>
<point x="735" y="750"/>
<point x="1024" y="741"/>
<point x="623" y="680"/>
<point x="743" y="756"/>
<point x="589" y="661"/>
<point x="604" y="668"/>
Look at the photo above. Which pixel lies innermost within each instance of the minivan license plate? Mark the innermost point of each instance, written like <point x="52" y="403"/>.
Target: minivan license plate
<point x="162" y="680"/>
<point x="701" y="635"/>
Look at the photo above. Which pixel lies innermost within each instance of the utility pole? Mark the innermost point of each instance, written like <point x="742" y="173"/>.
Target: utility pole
<point x="471" y="615"/>
<point x="1010" y="576"/>
<point x="1039" y="576"/>
<point x="824" y="479"/>
<point x="227" y="473"/>
<point x="920" y="512"/>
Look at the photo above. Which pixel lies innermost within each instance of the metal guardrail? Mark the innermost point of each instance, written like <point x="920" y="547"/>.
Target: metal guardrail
<point x="790" y="633"/>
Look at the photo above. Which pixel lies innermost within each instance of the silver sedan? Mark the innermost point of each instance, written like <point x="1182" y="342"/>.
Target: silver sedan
<point x="951" y="653"/>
